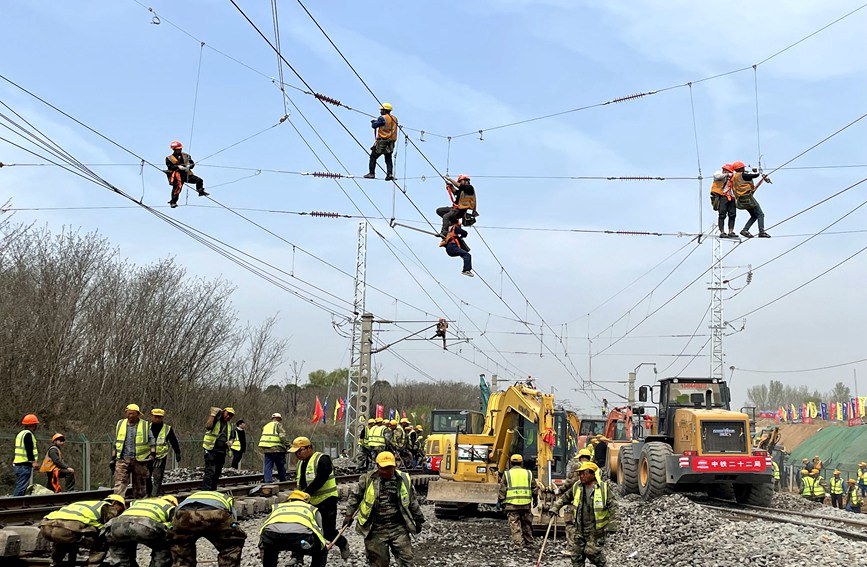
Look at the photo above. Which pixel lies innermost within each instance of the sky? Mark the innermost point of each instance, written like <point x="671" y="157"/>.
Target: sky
<point x="577" y="310"/>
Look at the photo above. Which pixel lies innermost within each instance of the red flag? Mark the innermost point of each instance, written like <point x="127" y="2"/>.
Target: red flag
<point x="341" y="409"/>
<point x="379" y="410"/>
<point x="318" y="412"/>
<point x="403" y="413"/>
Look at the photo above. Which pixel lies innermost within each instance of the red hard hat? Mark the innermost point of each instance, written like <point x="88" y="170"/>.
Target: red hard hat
<point x="30" y="419"/>
<point x="728" y="167"/>
<point x="738" y="165"/>
<point x="176" y="145"/>
<point x="463" y="176"/>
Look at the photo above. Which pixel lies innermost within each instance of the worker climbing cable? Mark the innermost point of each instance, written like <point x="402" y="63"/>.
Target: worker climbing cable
<point x="180" y="170"/>
<point x="385" y="136"/>
<point x="463" y="197"/>
<point x="723" y="200"/>
<point x="455" y="246"/>
<point x="744" y="190"/>
<point x="442" y="327"/>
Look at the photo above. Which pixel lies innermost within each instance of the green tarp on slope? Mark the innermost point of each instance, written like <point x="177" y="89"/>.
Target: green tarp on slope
<point x="838" y="447"/>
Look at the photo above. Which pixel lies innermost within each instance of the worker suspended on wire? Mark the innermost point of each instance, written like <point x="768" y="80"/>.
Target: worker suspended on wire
<point x="455" y="246"/>
<point x="180" y="170"/>
<point x="723" y="201"/>
<point x="744" y="190"/>
<point x="463" y="197"/>
<point x="442" y="327"/>
<point x="386" y="134"/>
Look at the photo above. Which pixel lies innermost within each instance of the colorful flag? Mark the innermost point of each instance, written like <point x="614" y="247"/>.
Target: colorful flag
<point x="804" y="411"/>
<point x="379" y="410"/>
<point x="391" y="414"/>
<point x="853" y="408"/>
<point x="337" y="408"/>
<point x="403" y="414"/>
<point x="782" y="413"/>
<point x="824" y="410"/>
<point x="845" y="410"/>
<point x="318" y="412"/>
<point x="812" y="410"/>
<point x="325" y="410"/>
<point x="793" y="413"/>
<point x="342" y="409"/>
<point x="862" y="404"/>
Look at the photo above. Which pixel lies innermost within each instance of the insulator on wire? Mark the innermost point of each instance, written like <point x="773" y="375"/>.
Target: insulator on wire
<point x="630" y="97"/>
<point x="749" y="277"/>
<point x="327" y="174"/>
<point x="327" y="99"/>
<point x="324" y="214"/>
<point x="636" y="178"/>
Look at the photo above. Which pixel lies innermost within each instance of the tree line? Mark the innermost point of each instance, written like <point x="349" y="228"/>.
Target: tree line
<point x="776" y="394"/>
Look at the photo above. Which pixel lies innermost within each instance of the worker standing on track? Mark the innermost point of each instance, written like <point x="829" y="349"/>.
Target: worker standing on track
<point x="211" y="515"/>
<point x="376" y="438"/>
<point x="239" y="445"/>
<point x="463" y="197"/>
<point x="723" y="200"/>
<point x="518" y="494"/>
<point x="363" y="434"/>
<point x="180" y="170"/>
<point x="294" y="526"/>
<point x="388" y="512"/>
<point x="836" y="489"/>
<point x="315" y="476"/>
<point x="419" y="444"/>
<point x="776" y="469"/>
<point x="273" y="442"/>
<point x="165" y="437"/>
<point x="596" y="515"/>
<point x="455" y="246"/>
<point x="410" y="444"/>
<point x="584" y="456"/>
<point x="219" y="435"/>
<point x="134" y="448"/>
<point x="54" y="467"/>
<point x="80" y="525"/>
<point x="853" y="498"/>
<point x="386" y="134"/>
<point x="146" y="522"/>
<point x="744" y="190"/>
<point x="813" y="487"/>
<point x="862" y="478"/>
<point x="26" y="454"/>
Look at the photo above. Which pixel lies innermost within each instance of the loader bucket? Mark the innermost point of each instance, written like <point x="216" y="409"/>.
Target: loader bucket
<point x="442" y="490"/>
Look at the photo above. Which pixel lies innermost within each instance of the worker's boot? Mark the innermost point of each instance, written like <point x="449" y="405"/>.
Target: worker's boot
<point x="173" y="204"/>
<point x="732" y="234"/>
<point x="203" y="193"/>
<point x="389" y="177"/>
<point x="370" y="176"/>
<point x="746" y="233"/>
<point x="764" y="234"/>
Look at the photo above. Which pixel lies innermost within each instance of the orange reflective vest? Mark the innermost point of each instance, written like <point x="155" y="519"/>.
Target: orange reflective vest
<point x="466" y="202"/>
<point x="48" y="464"/>
<point x="389" y="131"/>
<point x="452" y="237"/>
<point x="742" y="186"/>
<point x="722" y="187"/>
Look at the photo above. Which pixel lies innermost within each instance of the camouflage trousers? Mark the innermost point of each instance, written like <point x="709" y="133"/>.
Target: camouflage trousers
<point x="215" y="526"/>
<point x="66" y="536"/>
<point x="126" y="469"/>
<point x="587" y="545"/>
<point x="392" y="537"/>
<point x="124" y="535"/>
<point x="521" y="527"/>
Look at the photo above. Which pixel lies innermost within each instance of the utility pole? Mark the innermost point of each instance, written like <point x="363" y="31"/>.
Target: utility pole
<point x="630" y="390"/>
<point x="353" y="384"/>
<point x="717" y="323"/>
<point x="494" y="383"/>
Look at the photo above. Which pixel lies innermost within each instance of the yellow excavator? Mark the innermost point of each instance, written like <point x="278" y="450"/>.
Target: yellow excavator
<point x="521" y="420"/>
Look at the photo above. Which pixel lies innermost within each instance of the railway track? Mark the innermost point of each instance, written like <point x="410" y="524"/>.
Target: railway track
<point x="850" y="528"/>
<point x="27" y="510"/>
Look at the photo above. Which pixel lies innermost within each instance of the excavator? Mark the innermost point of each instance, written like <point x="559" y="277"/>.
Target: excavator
<point x="521" y="420"/>
<point x="444" y="424"/>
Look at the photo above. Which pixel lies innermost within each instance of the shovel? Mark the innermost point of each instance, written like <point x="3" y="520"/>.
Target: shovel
<point x="545" y="541"/>
<point x="334" y="541"/>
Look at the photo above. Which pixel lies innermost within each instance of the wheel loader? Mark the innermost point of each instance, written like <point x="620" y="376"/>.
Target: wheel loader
<point x="700" y="444"/>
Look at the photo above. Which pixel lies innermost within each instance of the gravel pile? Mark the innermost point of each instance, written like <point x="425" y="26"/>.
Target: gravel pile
<point x="789" y="501"/>
<point x="196" y="473"/>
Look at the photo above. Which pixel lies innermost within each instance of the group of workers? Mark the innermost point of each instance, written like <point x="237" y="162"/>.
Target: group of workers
<point x="25" y="462"/>
<point x="399" y="437"/>
<point x="734" y="188"/>
<point x="845" y="494"/>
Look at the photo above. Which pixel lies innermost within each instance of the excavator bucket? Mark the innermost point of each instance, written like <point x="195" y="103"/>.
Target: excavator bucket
<point x="443" y="491"/>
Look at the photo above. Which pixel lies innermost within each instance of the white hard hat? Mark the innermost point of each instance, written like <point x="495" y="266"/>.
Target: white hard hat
<point x="275" y="414"/>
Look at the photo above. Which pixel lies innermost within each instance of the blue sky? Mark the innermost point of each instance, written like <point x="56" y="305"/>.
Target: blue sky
<point x="455" y="67"/>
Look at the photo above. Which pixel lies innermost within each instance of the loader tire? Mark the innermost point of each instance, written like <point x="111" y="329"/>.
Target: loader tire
<point x="754" y="494"/>
<point x="651" y="470"/>
<point x="628" y="465"/>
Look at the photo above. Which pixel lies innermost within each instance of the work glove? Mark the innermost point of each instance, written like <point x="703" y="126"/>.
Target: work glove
<point x="177" y="457"/>
<point x="215" y="411"/>
<point x="183" y="168"/>
<point x="347" y="520"/>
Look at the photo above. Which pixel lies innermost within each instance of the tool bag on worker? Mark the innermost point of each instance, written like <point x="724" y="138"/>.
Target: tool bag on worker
<point x="746" y="202"/>
<point x="714" y="201"/>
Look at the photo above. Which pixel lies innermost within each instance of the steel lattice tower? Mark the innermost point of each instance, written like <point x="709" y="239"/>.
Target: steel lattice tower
<point x="717" y="323"/>
<point x="354" y="409"/>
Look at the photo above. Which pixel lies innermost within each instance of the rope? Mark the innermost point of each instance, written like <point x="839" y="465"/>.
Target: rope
<point x="758" y="129"/>
<point x="697" y="160"/>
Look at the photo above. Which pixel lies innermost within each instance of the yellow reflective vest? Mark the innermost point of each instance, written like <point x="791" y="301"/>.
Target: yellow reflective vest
<point x="142" y="442"/>
<point x="156" y="509"/>
<point x="88" y="512"/>
<point x="270" y="437"/>
<point x="836" y="485"/>
<point x="162" y="445"/>
<point x="20" y="451"/>
<point x="211" y="435"/>
<point x="776" y="470"/>
<point x="295" y="512"/>
<point x="600" y="503"/>
<point x="519" y="486"/>
<point x="855" y="496"/>
<point x="812" y="487"/>
<point x="221" y="500"/>
<point x="365" y="509"/>
<point x="327" y="490"/>
<point x="376" y="437"/>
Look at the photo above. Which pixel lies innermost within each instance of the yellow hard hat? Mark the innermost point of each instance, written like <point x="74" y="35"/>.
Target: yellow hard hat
<point x="594" y="441"/>
<point x="386" y="106"/>
<point x="230" y="410"/>
<point x="378" y="420"/>
<point x="516" y="458"/>
<point x="298" y="495"/>
<point x="171" y="499"/>
<point x="132" y="407"/>
<point x="386" y="459"/>
<point x="588" y="466"/>
<point x="585" y="452"/>
<point x="804" y="472"/>
<point x="836" y="471"/>
<point x="419" y="428"/>
<point x="371" y="420"/>
<point x="299" y="443"/>
<point x="814" y="471"/>
<point x="851" y="481"/>
<point x="158" y="411"/>
<point x="115" y="498"/>
<point x="862" y="464"/>
<point x="392" y="422"/>
<point x="404" y="420"/>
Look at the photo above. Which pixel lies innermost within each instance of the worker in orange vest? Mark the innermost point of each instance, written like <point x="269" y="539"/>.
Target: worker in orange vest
<point x="744" y="190"/>
<point x="386" y="134"/>
<point x="723" y="200"/>
<point x="463" y="197"/>
<point x="180" y="170"/>
<point x="455" y="246"/>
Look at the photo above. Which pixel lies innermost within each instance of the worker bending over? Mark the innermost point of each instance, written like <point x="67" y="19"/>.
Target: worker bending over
<point x="146" y="522"/>
<point x="518" y="494"/>
<point x="386" y="134"/>
<point x="723" y="200"/>
<point x="294" y="526"/>
<point x="455" y="246"/>
<point x="80" y="525"/>
<point x="463" y="197"/>
<point x="180" y="170"/>
<point x="744" y="190"/>
<point x="210" y="515"/>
